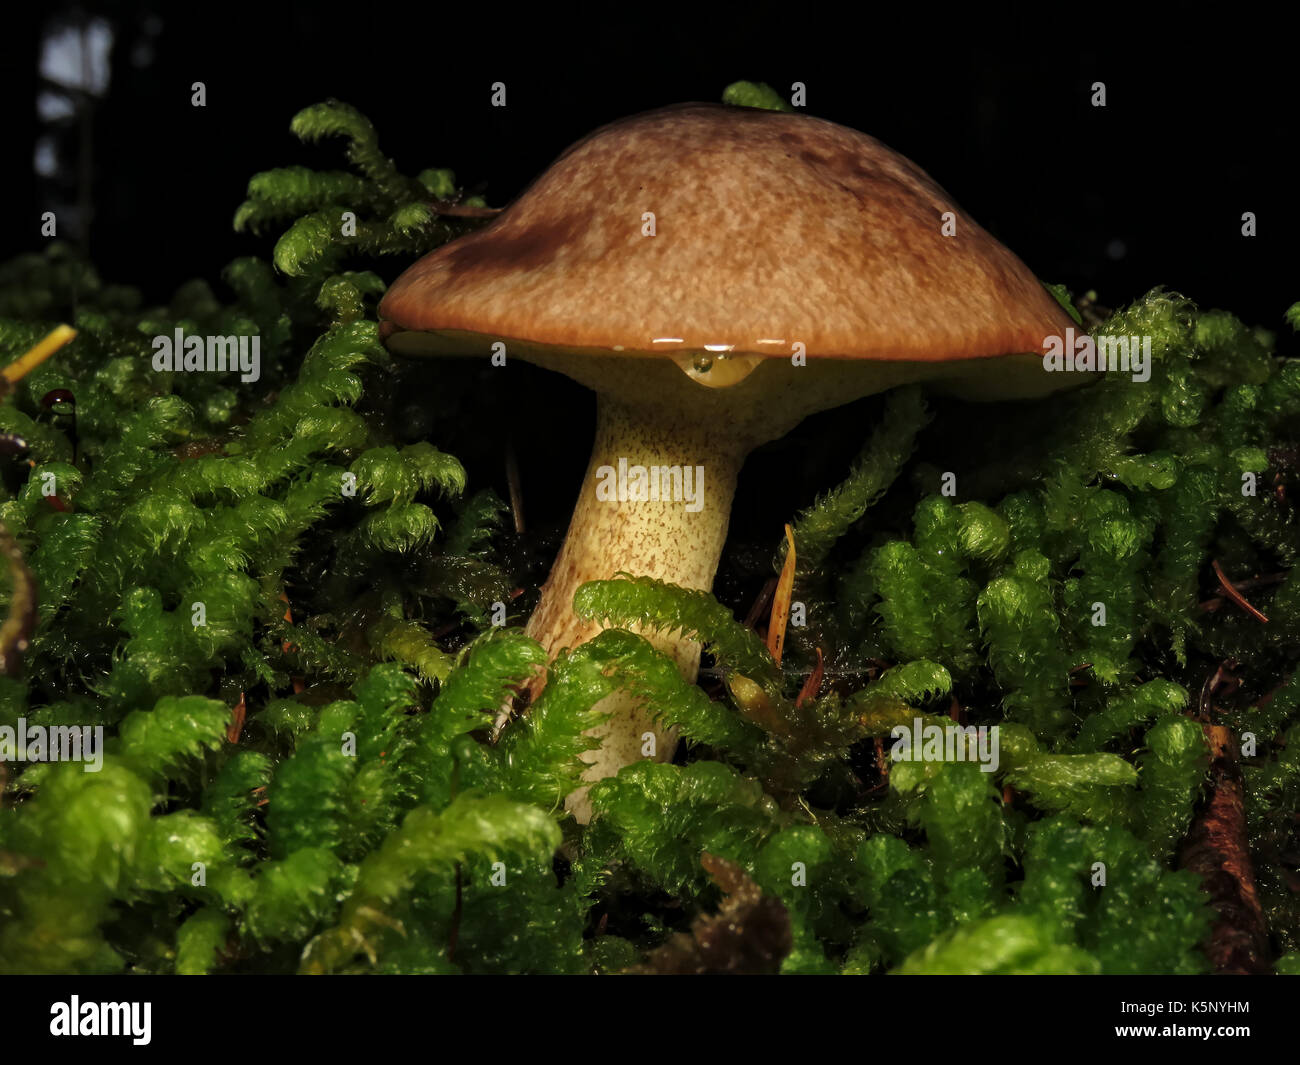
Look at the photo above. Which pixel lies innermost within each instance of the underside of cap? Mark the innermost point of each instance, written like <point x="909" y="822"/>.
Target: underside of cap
<point x="770" y="230"/>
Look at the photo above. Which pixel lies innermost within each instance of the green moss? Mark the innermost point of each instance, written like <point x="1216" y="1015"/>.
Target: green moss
<point x="362" y="816"/>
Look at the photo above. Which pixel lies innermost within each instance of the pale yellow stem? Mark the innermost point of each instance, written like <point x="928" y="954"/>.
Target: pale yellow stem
<point x="678" y="540"/>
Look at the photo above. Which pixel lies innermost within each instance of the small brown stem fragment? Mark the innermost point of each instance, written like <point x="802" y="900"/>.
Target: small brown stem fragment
<point x="237" y="716"/>
<point x="1231" y="591"/>
<point x="516" y="488"/>
<point x="761" y="603"/>
<point x="1222" y="679"/>
<point x="1216" y="848"/>
<point x="813" y="684"/>
<point x="1216" y="602"/>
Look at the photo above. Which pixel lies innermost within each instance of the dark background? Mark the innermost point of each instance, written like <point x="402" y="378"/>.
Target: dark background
<point x="1199" y="123"/>
<point x="1200" y="126"/>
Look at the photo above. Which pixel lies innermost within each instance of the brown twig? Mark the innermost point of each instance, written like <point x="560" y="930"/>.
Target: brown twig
<point x="1231" y="591"/>
<point x="1215" y="602"/>
<point x="1216" y="848"/>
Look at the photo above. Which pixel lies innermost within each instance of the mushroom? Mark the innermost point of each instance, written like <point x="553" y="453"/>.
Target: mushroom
<point x="716" y="274"/>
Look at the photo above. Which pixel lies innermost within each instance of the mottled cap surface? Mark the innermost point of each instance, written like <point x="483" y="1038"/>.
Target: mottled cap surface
<point x="770" y="229"/>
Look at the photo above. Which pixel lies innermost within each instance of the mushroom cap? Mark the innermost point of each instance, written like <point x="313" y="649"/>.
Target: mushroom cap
<point x="770" y="229"/>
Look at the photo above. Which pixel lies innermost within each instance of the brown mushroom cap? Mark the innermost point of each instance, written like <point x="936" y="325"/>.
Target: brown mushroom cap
<point x="771" y="228"/>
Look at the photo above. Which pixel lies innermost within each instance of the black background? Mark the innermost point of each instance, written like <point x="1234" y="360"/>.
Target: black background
<point x="1200" y="126"/>
<point x="1200" y="123"/>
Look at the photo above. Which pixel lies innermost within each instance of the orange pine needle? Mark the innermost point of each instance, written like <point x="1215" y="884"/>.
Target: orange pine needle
<point x="781" y="602"/>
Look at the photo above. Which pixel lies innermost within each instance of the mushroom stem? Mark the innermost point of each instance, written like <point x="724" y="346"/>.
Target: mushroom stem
<point x="655" y="501"/>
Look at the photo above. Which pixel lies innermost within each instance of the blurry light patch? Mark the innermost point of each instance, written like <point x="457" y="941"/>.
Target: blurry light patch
<point x="74" y="66"/>
<point x="53" y="106"/>
<point x="1116" y="249"/>
<point x="76" y="57"/>
<point x="46" y="160"/>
